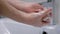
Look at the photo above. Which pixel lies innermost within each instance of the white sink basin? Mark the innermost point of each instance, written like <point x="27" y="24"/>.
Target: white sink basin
<point x="19" y="28"/>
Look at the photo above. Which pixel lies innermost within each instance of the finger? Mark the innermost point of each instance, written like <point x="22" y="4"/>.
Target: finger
<point x="50" y="14"/>
<point x="46" y="20"/>
<point x="41" y="6"/>
<point x="38" y="10"/>
<point x="45" y="12"/>
<point x="37" y="6"/>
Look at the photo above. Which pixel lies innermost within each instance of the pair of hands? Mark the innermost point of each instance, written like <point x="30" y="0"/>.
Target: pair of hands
<point x="32" y="13"/>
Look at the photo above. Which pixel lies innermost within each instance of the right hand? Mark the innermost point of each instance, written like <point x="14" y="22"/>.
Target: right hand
<point x="36" y="18"/>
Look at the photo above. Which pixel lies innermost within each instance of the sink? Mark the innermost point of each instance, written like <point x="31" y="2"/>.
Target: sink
<point x="19" y="28"/>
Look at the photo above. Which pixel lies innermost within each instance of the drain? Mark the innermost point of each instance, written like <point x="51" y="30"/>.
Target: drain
<point x="44" y="32"/>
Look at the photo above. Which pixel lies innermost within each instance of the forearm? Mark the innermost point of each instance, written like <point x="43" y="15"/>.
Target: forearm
<point x="2" y="5"/>
<point x="20" y="5"/>
<point x="5" y="7"/>
<point x="11" y="12"/>
<point x="12" y="2"/>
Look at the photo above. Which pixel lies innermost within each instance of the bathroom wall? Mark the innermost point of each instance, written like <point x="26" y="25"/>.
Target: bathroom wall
<point x="56" y="11"/>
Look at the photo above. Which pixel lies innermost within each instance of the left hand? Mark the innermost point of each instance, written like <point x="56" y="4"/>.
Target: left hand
<point x="29" y="7"/>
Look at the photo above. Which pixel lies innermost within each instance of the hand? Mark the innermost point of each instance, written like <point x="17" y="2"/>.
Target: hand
<point x="28" y="18"/>
<point x="36" y="19"/>
<point x="26" y="6"/>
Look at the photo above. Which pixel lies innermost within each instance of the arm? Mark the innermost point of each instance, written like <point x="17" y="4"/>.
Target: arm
<point x="28" y="7"/>
<point x="10" y="11"/>
<point x="28" y="18"/>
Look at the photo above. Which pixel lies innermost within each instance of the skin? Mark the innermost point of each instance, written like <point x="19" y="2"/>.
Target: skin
<point x="26" y="6"/>
<point x="24" y="12"/>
